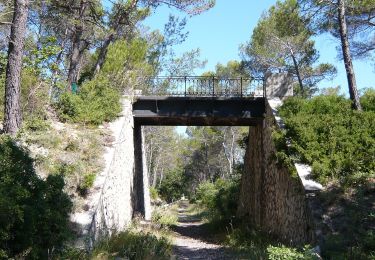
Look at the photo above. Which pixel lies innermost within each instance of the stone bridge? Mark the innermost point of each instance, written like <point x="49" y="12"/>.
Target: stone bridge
<point x="271" y="197"/>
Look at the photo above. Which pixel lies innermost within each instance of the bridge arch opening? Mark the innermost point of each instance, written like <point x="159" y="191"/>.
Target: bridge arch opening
<point x="270" y="198"/>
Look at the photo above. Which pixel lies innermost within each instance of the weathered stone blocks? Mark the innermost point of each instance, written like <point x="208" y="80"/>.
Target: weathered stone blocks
<point x="272" y="199"/>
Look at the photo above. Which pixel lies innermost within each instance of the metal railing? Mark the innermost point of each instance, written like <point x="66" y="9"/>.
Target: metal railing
<point x="204" y="86"/>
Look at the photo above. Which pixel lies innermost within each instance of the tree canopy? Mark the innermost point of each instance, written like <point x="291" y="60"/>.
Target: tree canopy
<point x="282" y="42"/>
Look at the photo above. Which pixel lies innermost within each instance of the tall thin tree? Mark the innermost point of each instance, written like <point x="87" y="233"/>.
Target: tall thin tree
<point x="331" y="16"/>
<point x="13" y="117"/>
<point x="353" y="92"/>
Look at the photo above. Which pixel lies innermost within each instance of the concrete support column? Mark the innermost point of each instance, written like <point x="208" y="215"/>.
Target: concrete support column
<point x="141" y="193"/>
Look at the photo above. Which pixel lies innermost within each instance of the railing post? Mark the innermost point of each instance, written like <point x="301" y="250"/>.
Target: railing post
<point x="185" y="86"/>
<point x="264" y="88"/>
<point x="241" y="88"/>
<point x="213" y="86"/>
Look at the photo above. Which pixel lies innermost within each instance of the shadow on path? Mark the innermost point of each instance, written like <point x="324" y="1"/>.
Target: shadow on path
<point x="193" y="239"/>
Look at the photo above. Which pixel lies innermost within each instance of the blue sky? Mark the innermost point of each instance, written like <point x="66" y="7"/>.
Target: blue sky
<point x="220" y="31"/>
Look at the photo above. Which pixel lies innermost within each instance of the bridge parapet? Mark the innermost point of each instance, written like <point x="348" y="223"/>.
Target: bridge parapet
<point x="204" y="86"/>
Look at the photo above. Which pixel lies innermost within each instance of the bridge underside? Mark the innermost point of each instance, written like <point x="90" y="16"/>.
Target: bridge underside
<point x="199" y="111"/>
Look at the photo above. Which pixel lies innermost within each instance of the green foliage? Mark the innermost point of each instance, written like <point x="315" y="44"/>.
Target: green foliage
<point x="282" y="156"/>
<point x="186" y="64"/>
<point x="285" y="253"/>
<point x="68" y="106"/>
<point x="73" y="253"/>
<point x="125" y="62"/>
<point x="339" y="246"/>
<point x="256" y="245"/>
<point x="164" y="217"/>
<point x="326" y="133"/>
<point x="86" y="183"/>
<point x="282" y="42"/>
<point x="353" y="237"/>
<point x="154" y="194"/>
<point x="368" y="100"/>
<point x="34" y="214"/>
<point x="173" y="185"/>
<point x="34" y="95"/>
<point x="233" y="69"/>
<point x="220" y="198"/>
<point x="134" y="246"/>
<point x="41" y="59"/>
<point x="36" y="124"/>
<point x="206" y="194"/>
<point x="95" y="103"/>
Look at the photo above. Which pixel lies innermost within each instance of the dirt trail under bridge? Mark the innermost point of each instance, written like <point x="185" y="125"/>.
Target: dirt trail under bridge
<point x="193" y="241"/>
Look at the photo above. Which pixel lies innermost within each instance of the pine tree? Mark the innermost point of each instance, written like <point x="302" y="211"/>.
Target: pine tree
<point x="12" y="116"/>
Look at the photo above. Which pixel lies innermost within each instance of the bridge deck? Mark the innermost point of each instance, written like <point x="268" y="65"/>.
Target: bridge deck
<point x="199" y="111"/>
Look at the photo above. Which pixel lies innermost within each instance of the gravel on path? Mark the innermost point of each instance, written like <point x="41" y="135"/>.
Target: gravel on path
<point x="192" y="242"/>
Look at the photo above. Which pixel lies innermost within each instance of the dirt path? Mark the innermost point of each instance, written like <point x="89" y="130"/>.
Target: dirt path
<point x="192" y="241"/>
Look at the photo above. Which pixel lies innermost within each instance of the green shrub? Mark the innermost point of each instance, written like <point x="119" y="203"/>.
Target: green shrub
<point x="72" y="145"/>
<point x="36" y="124"/>
<point x="368" y="100"/>
<point x="173" y="186"/>
<point x="248" y="241"/>
<point x="220" y="198"/>
<point x="34" y="93"/>
<point x="134" y="245"/>
<point x="258" y="245"/>
<point x="326" y="133"/>
<point x="338" y="246"/>
<point x="283" y="252"/>
<point x="68" y="106"/>
<point x="154" y="195"/>
<point x="86" y="183"/>
<point x="164" y="218"/>
<point x="206" y="194"/>
<point x="95" y="103"/>
<point x="72" y="253"/>
<point x="34" y="214"/>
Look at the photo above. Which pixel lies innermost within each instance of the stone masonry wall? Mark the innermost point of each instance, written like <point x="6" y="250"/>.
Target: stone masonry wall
<point x="271" y="199"/>
<point x="115" y="198"/>
<point x="114" y="209"/>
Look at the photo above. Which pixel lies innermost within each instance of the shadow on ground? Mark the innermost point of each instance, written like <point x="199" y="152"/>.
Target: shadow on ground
<point x="194" y="238"/>
<point x="185" y="252"/>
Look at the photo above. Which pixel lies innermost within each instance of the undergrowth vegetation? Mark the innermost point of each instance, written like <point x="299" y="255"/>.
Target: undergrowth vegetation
<point x="173" y="186"/>
<point x="132" y="244"/>
<point x="219" y="199"/>
<point x="95" y="103"/>
<point x="34" y="213"/>
<point x="217" y="203"/>
<point x="256" y="245"/>
<point x="165" y="216"/>
<point x="72" y="151"/>
<point x="135" y="245"/>
<point x="337" y="141"/>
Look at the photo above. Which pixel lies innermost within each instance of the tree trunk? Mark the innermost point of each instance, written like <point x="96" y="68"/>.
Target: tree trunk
<point x="295" y="63"/>
<point x="155" y="173"/>
<point x="103" y="53"/>
<point x="78" y="47"/>
<point x="55" y="71"/>
<point x="75" y="57"/>
<point x="229" y="152"/>
<point x="110" y="38"/>
<point x="12" y="116"/>
<point x="161" y="176"/>
<point x="347" y="56"/>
